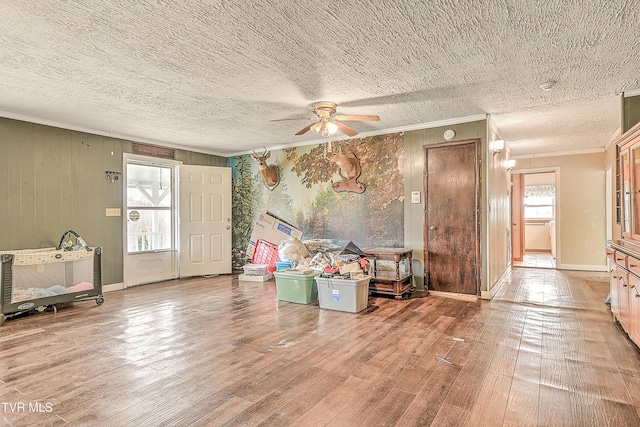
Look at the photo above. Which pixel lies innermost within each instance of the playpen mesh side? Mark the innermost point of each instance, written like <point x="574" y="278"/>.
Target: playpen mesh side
<point x="40" y="280"/>
<point x="5" y="278"/>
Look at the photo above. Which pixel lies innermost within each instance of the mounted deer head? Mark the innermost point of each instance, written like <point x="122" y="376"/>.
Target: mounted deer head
<point x="270" y="173"/>
<point x="349" y="165"/>
<point x="349" y="170"/>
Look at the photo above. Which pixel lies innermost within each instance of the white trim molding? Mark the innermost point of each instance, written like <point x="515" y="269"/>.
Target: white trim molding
<point x="579" y="267"/>
<point x="630" y="93"/>
<point x="559" y="153"/>
<point x="113" y="287"/>
<point x="496" y="287"/>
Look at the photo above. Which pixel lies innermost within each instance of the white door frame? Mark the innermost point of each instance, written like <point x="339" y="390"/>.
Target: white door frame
<point x="173" y="258"/>
<point x="205" y="220"/>
<point x="555" y="170"/>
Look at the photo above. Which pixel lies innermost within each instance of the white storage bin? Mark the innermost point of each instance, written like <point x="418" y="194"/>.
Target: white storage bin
<point x="343" y="294"/>
<point x="255" y="269"/>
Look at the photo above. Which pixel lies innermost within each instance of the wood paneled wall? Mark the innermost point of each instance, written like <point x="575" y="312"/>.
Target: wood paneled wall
<point x="53" y="179"/>
<point x="414" y="181"/>
<point x="630" y="112"/>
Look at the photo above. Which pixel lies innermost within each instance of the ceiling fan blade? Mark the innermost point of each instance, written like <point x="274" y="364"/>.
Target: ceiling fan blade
<point x="357" y="118"/>
<point x="295" y="118"/>
<point x="345" y="129"/>
<point x="304" y="129"/>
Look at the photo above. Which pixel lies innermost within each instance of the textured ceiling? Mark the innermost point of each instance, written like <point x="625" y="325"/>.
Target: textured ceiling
<point x="210" y="75"/>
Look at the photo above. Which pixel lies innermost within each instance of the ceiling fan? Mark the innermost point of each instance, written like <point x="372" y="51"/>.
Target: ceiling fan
<point x="327" y="125"/>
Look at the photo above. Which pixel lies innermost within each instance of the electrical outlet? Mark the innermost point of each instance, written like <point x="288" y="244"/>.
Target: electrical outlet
<point x="113" y="211"/>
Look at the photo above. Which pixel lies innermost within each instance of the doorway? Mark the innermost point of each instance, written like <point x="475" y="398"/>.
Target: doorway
<point x="534" y="219"/>
<point x="452" y="238"/>
<point x="150" y="220"/>
<point x="177" y="220"/>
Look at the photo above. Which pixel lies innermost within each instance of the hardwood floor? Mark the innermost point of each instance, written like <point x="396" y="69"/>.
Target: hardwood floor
<point x="215" y="351"/>
<point x="536" y="259"/>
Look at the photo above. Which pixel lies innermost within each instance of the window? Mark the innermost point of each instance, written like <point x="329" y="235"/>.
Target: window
<point x="539" y="201"/>
<point x="149" y="201"/>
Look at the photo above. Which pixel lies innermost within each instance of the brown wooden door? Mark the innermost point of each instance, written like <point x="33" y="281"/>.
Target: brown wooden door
<point x="451" y="235"/>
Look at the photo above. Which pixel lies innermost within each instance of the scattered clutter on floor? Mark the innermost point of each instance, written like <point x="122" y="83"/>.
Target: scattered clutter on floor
<point x="277" y="244"/>
<point x="334" y="272"/>
<point x="270" y="229"/>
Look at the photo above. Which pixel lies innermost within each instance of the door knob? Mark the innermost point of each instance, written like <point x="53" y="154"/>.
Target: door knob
<point x="433" y="227"/>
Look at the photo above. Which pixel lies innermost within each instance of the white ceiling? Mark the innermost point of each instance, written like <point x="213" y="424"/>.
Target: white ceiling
<point x="210" y="75"/>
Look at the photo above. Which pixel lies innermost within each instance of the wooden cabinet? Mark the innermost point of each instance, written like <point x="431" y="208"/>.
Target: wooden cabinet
<point x="623" y="299"/>
<point x="623" y="256"/>
<point x="634" y="308"/>
<point x="634" y="198"/>
<point x="623" y="261"/>
<point x="397" y="281"/>
<point x="626" y="193"/>
<point x="628" y="183"/>
<point x="613" y="283"/>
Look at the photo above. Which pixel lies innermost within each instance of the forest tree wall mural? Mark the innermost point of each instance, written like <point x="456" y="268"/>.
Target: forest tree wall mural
<point x="306" y="199"/>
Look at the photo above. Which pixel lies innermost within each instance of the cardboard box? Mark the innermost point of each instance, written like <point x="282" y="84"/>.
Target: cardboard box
<point x="272" y="230"/>
<point x="351" y="267"/>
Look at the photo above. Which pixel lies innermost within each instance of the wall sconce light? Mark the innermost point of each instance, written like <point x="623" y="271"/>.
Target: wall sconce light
<point x="511" y="163"/>
<point x="498" y="145"/>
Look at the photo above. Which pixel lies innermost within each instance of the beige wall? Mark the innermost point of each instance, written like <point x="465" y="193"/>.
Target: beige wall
<point x="547" y="178"/>
<point x="54" y="179"/>
<point x="580" y="207"/>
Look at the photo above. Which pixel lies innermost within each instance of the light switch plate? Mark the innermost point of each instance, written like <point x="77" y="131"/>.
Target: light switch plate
<point x="415" y="197"/>
<point x="113" y="211"/>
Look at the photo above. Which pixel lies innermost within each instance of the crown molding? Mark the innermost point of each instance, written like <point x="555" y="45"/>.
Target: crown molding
<point x="68" y="126"/>
<point x="559" y="153"/>
<point x="630" y="93"/>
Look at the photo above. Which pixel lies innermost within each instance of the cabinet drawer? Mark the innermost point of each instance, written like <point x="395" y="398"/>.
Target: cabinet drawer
<point x="634" y="265"/>
<point x="611" y="254"/>
<point x="621" y="259"/>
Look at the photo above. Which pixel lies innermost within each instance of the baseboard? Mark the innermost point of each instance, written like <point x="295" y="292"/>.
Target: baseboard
<point x="494" y="290"/>
<point x="453" y="295"/>
<point x="113" y="287"/>
<point x="581" y="267"/>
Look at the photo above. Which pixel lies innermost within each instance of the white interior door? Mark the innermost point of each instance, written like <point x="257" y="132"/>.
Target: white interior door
<point x="205" y="220"/>
<point x="150" y="221"/>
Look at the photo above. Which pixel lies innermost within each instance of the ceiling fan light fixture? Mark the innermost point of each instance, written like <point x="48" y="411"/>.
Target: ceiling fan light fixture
<point x="316" y="128"/>
<point x="328" y="125"/>
<point x="332" y="128"/>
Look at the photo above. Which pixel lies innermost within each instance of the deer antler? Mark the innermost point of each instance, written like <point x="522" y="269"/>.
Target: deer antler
<point x="263" y="154"/>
